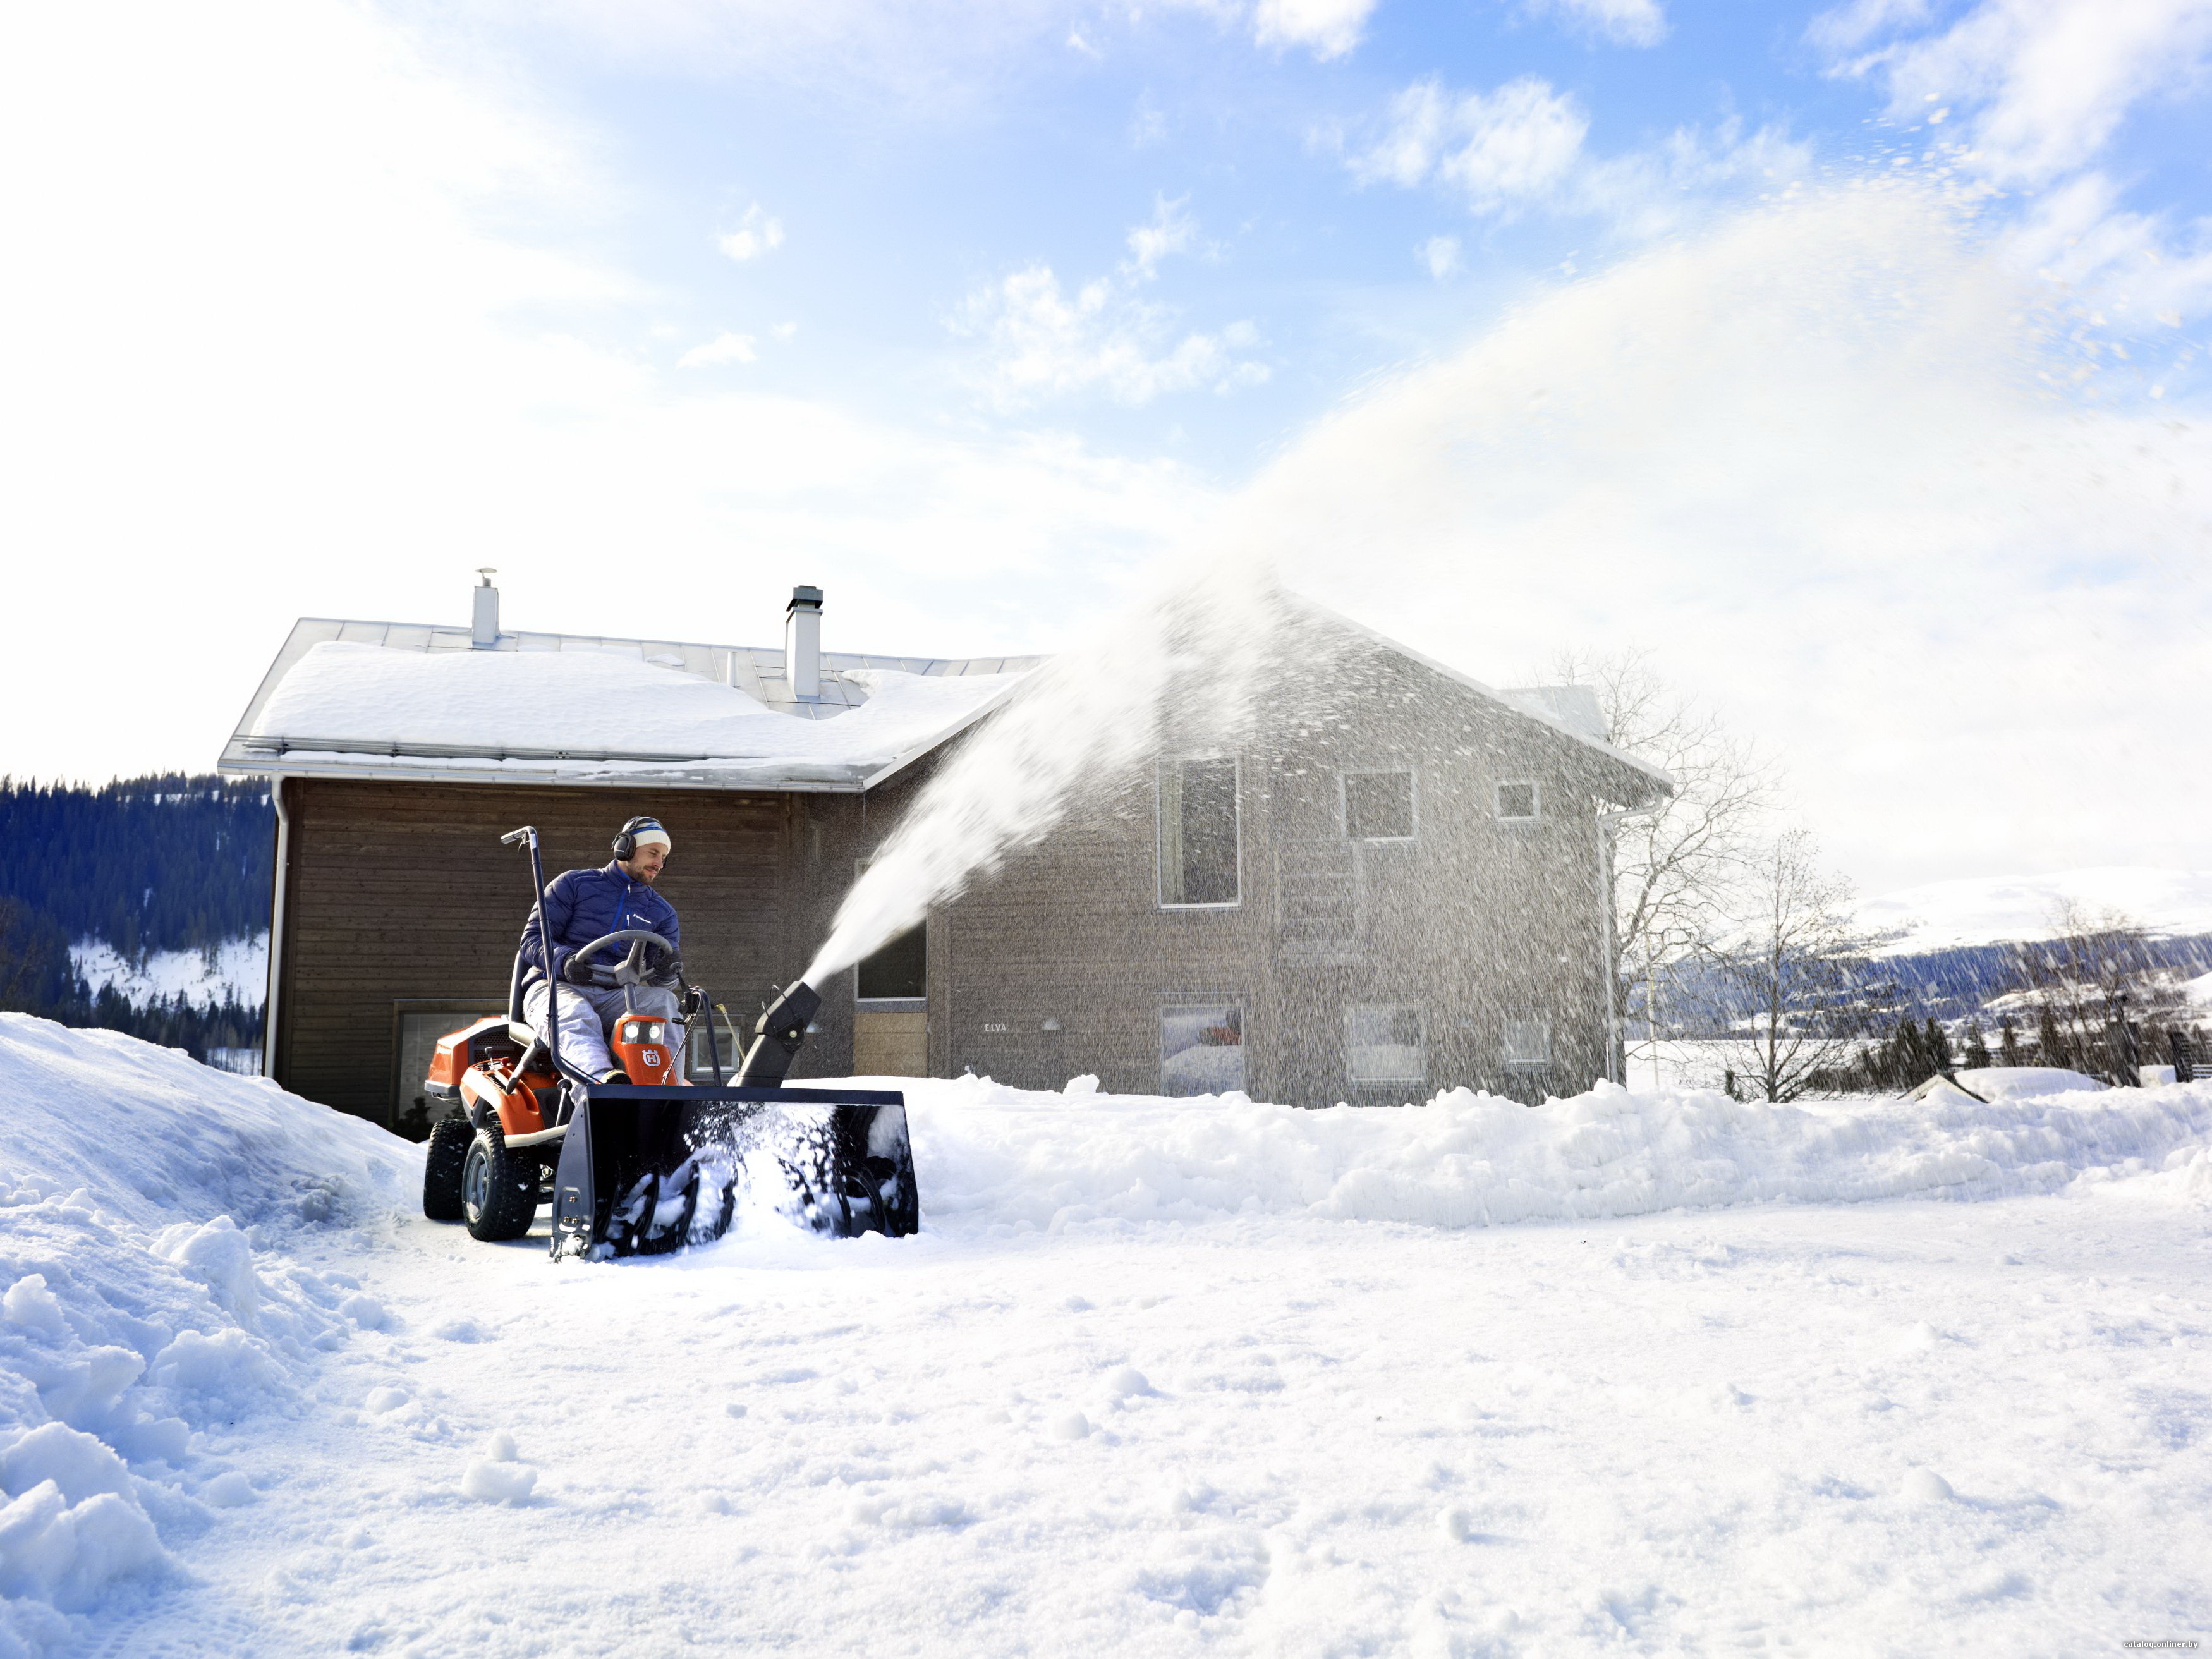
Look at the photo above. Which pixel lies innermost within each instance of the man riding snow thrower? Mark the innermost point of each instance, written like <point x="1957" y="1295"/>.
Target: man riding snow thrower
<point x="586" y="905"/>
<point x="640" y="1159"/>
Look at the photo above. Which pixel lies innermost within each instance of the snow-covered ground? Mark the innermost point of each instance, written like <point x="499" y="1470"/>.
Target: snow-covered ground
<point x="237" y="968"/>
<point x="1159" y="1377"/>
<point x="1993" y="909"/>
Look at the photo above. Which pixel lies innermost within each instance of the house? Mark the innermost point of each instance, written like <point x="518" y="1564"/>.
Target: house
<point x="1388" y="882"/>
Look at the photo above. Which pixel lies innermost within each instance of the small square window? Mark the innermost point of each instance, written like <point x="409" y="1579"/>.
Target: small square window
<point x="1202" y="1049"/>
<point x="1378" y="805"/>
<point x="1516" y="801"/>
<point x="1384" y="1045"/>
<point x="1528" y="1044"/>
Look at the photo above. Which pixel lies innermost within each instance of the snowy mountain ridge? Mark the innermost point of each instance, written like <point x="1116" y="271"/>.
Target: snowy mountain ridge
<point x="2002" y="909"/>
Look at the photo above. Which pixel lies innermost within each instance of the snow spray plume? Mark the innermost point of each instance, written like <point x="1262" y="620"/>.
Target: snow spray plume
<point x="1092" y="712"/>
<point x="1828" y="452"/>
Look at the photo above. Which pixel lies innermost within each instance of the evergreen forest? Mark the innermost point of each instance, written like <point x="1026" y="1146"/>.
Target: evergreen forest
<point x="165" y="863"/>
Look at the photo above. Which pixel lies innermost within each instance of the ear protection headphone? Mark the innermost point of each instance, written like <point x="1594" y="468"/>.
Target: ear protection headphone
<point x="625" y="842"/>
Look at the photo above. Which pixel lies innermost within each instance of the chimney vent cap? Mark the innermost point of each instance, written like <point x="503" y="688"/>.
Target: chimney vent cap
<point x="809" y="597"/>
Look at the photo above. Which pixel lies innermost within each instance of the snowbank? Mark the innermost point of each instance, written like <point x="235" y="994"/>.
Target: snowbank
<point x="155" y="1216"/>
<point x="145" y="1296"/>
<point x="993" y="1157"/>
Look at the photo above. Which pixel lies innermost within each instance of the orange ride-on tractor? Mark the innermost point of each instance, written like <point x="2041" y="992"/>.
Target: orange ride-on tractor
<point x="655" y="1163"/>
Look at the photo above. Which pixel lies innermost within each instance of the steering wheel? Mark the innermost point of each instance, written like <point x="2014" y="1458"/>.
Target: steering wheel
<point x="634" y="969"/>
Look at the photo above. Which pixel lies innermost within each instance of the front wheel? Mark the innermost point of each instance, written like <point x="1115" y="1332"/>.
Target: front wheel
<point x="499" y="1190"/>
<point x="442" y="1168"/>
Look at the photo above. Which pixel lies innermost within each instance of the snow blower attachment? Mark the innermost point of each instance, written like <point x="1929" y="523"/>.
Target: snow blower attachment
<point x="655" y="1163"/>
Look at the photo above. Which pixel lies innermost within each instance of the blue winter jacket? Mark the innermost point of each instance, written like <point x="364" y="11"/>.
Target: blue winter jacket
<point x="582" y="905"/>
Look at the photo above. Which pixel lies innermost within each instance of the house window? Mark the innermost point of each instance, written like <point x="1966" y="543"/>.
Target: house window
<point x="1378" y="805"/>
<point x="1517" y="802"/>
<point x="899" y="970"/>
<point x="1527" y="1044"/>
<point x="417" y="1024"/>
<point x="1384" y="1044"/>
<point x="1198" y="831"/>
<point x="1202" y="1048"/>
<point x="699" y="1056"/>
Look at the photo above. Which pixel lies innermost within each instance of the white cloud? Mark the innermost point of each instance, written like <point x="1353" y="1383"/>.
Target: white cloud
<point x="165" y="428"/>
<point x="1521" y="147"/>
<point x="2136" y="265"/>
<point x="757" y="234"/>
<point x="1850" y="27"/>
<point x="2048" y="82"/>
<point x="1439" y="257"/>
<point x="1329" y="28"/>
<point x="1499" y="149"/>
<point x="722" y="349"/>
<point x="2040" y="89"/>
<point x="1171" y="230"/>
<point x="1624" y="22"/>
<point x="1045" y="341"/>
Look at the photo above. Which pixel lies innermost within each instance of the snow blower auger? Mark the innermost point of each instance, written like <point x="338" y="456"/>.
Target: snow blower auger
<point x="657" y="1163"/>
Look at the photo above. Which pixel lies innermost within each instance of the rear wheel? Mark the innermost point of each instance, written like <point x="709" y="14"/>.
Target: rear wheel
<point x="499" y="1188"/>
<point x="442" y="1168"/>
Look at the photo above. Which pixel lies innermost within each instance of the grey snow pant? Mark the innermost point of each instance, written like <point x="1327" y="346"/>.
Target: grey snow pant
<point x="588" y="1014"/>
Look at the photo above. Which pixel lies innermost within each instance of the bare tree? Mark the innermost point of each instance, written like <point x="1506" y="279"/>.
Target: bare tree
<point x="2097" y="971"/>
<point x="1783" y="984"/>
<point x="1672" y="868"/>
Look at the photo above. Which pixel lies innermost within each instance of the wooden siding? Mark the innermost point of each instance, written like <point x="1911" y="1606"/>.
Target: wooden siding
<point x="402" y="891"/>
<point x="1474" y="921"/>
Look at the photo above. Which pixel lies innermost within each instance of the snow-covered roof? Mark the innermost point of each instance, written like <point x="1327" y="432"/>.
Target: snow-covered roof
<point x="393" y="700"/>
<point x="390" y="700"/>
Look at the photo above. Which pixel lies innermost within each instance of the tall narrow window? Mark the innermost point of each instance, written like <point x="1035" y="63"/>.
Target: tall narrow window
<point x="1378" y="805"/>
<point x="1198" y="831"/>
<point x="1202" y="1049"/>
<point x="1384" y="1044"/>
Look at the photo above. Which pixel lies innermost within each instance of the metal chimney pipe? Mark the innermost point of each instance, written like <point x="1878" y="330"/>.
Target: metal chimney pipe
<point x="483" y="622"/>
<point x="802" y="643"/>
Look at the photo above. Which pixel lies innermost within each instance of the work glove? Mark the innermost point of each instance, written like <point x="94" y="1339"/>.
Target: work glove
<point x="669" y="973"/>
<point x="576" y="971"/>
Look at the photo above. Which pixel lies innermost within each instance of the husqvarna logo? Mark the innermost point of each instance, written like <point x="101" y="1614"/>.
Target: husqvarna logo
<point x="652" y="1056"/>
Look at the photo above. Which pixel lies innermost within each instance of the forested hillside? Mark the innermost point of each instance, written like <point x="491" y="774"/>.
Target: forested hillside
<point x="168" y="863"/>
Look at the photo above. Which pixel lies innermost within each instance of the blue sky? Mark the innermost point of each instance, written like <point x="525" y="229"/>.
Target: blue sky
<point x="971" y="313"/>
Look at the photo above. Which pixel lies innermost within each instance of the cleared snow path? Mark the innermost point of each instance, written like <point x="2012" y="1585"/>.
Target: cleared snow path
<point x="1141" y="1387"/>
